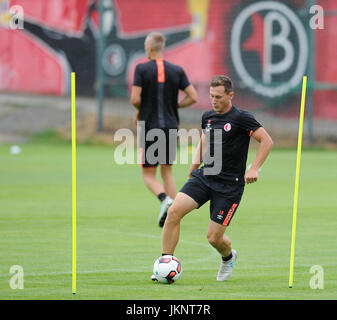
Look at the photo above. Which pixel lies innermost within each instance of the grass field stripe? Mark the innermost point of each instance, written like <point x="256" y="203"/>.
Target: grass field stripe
<point x="73" y="147"/>
<point x="298" y="162"/>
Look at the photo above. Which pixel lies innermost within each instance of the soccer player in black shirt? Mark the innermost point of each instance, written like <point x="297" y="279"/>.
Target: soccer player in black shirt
<point x="226" y="131"/>
<point x="155" y="96"/>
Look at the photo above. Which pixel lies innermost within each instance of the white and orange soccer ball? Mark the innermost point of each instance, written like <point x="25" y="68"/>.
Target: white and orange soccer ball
<point x="167" y="269"/>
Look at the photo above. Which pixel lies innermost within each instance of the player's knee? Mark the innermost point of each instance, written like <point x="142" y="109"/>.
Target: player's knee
<point x="173" y="215"/>
<point x="213" y="239"/>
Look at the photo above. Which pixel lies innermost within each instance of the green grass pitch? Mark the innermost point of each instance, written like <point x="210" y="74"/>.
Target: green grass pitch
<point x="118" y="239"/>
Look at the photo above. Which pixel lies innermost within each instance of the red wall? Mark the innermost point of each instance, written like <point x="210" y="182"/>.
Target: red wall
<point x="30" y="63"/>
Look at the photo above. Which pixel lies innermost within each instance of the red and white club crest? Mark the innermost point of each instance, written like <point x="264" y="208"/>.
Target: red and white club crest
<point x="227" y="127"/>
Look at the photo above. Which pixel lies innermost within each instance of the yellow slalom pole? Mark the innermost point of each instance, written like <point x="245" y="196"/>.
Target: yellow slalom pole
<point x="298" y="162"/>
<point x="73" y="147"/>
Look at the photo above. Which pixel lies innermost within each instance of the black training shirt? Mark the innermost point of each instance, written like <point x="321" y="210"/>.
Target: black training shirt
<point x="160" y="81"/>
<point x="235" y="128"/>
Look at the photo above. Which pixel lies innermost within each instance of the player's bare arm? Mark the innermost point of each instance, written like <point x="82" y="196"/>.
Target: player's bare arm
<point x="190" y="97"/>
<point x="199" y="153"/>
<point x="135" y="99"/>
<point x="265" y="145"/>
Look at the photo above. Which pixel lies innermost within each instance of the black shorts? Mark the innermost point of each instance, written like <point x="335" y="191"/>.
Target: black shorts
<point x="157" y="146"/>
<point x="223" y="205"/>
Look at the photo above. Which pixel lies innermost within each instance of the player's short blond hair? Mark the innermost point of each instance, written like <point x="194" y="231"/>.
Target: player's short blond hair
<point x="222" y="81"/>
<point x="156" y="41"/>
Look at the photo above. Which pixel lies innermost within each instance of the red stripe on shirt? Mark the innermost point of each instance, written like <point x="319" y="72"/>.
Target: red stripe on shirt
<point x="161" y="70"/>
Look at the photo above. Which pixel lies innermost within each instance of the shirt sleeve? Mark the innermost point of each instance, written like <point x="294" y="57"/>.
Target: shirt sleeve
<point x="183" y="81"/>
<point x="202" y="121"/>
<point x="138" y="79"/>
<point x="249" y="123"/>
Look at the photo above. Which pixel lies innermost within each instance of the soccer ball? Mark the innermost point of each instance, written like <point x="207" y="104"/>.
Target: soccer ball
<point x="167" y="269"/>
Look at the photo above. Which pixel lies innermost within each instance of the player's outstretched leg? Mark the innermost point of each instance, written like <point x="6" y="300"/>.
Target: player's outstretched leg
<point x="181" y="206"/>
